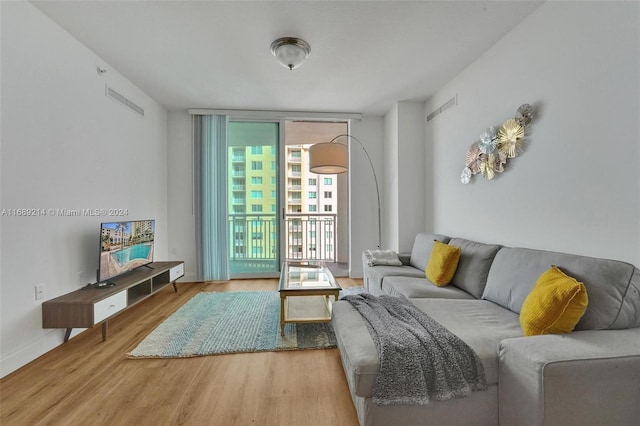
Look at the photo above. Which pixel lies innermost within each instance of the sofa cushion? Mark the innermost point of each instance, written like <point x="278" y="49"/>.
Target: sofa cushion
<point x="421" y="287"/>
<point x="555" y="305"/>
<point x="373" y="275"/>
<point x="422" y="246"/>
<point x="473" y="268"/>
<point x="443" y="263"/>
<point x="481" y="324"/>
<point x="613" y="286"/>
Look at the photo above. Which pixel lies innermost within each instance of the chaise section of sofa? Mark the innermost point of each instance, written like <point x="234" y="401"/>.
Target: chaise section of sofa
<point x="362" y="365"/>
<point x="537" y="380"/>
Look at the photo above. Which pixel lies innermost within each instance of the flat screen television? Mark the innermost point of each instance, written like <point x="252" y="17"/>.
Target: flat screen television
<point x="125" y="246"/>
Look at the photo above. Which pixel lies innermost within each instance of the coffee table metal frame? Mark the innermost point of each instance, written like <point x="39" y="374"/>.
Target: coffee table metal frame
<point x="289" y="289"/>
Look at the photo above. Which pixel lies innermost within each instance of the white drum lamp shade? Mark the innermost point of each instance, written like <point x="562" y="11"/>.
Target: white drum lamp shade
<point x="328" y="158"/>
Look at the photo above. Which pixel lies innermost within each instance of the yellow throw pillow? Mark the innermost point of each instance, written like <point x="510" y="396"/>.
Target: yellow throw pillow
<point x="555" y="305"/>
<point x="443" y="263"/>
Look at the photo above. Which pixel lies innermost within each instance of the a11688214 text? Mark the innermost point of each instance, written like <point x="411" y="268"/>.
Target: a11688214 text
<point x="58" y="212"/>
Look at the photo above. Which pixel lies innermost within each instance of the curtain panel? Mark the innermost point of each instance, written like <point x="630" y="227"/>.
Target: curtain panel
<point x="210" y="181"/>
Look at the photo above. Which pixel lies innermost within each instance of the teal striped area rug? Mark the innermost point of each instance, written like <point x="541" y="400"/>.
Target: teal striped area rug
<point x="233" y="322"/>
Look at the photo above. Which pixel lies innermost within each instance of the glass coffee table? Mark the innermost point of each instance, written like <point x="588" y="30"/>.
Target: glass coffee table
<point x="305" y="292"/>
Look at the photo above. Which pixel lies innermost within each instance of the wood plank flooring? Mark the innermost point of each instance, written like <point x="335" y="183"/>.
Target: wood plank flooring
<point x="89" y="382"/>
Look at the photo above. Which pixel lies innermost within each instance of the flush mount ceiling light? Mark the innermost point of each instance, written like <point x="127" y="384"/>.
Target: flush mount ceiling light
<point x="290" y="51"/>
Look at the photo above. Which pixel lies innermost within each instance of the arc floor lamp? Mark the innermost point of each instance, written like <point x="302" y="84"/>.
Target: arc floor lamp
<point x="327" y="158"/>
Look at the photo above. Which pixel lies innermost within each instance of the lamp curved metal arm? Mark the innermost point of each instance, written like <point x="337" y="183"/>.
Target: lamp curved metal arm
<point x="375" y="180"/>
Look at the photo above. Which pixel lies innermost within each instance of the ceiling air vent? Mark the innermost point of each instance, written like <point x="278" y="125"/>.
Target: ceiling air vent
<point x="121" y="99"/>
<point x="451" y="102"/>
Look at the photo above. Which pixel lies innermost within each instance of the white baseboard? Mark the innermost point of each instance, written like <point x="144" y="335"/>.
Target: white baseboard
<point x="34" y="350"/>
<point x="28" y="353"/>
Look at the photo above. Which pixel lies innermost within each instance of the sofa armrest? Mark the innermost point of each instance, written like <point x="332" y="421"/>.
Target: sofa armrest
<point x="584" y="377"/>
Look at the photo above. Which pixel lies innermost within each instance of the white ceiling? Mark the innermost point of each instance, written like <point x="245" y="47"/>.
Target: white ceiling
<point x="365" y="55"/>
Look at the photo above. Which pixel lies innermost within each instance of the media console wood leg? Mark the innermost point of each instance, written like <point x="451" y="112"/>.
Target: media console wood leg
<point x="175" y="287"/>
<point x="67" y="334"/>
<point x="105" y="328"/>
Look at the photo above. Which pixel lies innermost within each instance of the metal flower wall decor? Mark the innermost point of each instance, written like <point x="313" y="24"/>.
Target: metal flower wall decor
<point x="489" y="155"/>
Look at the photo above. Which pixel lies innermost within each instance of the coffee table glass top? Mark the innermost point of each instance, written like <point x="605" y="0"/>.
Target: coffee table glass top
<point x="307" y="276"/>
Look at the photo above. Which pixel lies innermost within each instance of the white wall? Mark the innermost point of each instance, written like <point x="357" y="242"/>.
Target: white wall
<point x="391" y="207"/>
<point x="363" y="204"/>
<point x="577" y="186"/>
<point x="181" y="203"/>
<point x="65" y="145"/>
<point x="411" y="173"/>
<point x="404" y="174"/>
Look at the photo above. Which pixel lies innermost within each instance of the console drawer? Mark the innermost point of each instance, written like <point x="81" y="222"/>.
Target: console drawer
<point x="109" y="306"/>
<point x="176" y="272"/>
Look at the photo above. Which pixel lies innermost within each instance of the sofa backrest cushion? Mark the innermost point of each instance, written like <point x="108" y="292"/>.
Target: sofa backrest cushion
<point x="473" y="267"/>
<point x="613" y="287"/>
<point x="422" y="246"/>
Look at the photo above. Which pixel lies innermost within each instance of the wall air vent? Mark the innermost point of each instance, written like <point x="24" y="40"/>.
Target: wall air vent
<point x="122" y="100"/>
<point x="451" y="102"/>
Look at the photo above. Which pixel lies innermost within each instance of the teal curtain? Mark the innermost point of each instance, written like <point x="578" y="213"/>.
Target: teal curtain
<point x="210" y="158"/>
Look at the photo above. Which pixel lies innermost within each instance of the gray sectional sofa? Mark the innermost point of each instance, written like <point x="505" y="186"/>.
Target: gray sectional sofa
<point x="590" y="376"/>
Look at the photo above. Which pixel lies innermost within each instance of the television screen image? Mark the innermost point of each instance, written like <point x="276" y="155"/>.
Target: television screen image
<point x="125" y="246"/>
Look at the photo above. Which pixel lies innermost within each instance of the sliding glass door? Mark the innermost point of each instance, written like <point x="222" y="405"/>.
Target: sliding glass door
<point x="315" y="212"/>
<point x="278" y="209"/>
<point x="253" y="199"/>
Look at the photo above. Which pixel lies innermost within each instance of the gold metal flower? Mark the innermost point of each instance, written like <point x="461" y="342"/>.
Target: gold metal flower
<point x="488" y="166"/>
<point x="510" y="138"/>
<point x="501" y="160"/>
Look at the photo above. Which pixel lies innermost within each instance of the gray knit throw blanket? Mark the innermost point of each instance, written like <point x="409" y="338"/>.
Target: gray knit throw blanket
<point x="420" y="360"/>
